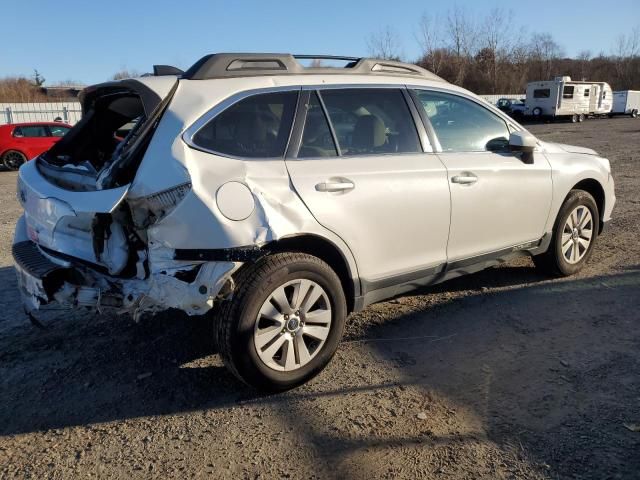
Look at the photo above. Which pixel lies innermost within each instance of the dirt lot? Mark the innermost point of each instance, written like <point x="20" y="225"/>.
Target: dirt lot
<point x="503" y="374"/>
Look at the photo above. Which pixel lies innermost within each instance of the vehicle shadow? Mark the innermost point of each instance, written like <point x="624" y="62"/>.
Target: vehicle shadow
<point x="498" y="356"/>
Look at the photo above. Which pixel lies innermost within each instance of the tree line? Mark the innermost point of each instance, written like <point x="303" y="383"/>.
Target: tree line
<point x="495" y="55"/>
<point x="490" y="55"/>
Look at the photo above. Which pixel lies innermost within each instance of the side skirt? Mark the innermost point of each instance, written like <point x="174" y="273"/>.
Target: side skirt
<point x="383" y="289"/>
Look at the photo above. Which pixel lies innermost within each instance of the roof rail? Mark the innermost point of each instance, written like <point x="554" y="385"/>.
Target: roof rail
<point x="229" y="65"/>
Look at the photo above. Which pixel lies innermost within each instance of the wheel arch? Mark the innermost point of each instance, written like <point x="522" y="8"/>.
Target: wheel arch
<point x="328" y="252"/>
<point x="4" y="150"/>
<point x="593" y="187"/>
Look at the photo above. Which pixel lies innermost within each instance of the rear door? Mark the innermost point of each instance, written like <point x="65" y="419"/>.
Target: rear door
<point x="365" y="176"/>
<point x="497" y="200"/>
<point x="32" y="140"/>
<point x="594" y="97"/>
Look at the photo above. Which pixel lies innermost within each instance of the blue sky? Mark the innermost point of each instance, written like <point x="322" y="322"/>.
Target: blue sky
<point x="90" y="40"/>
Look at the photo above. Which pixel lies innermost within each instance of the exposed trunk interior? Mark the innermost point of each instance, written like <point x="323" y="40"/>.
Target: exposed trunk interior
<point x="104" y="149"/>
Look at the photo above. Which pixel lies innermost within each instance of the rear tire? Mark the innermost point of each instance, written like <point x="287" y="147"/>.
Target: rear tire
<point x="12" y="159"/>
<point x="574" y="118"/>
<point x="274" y="334"/>
<point x="581" y="118"/>
<point x="574" y="235"/>
<point x="634" y="113"/>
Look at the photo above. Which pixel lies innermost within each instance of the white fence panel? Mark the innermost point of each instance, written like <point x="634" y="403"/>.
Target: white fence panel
<point x="492" y="99"/>
<point x="69" y="112"/>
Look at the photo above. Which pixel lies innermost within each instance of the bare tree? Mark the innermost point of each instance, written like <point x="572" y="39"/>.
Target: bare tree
<point x="583" y="57"/>
<point x="627" y="57"/>
<point x="385" y="44"/>
<point x="544" y="53"/>
<point x="495" y="38"/>
<point x="460" y="33"/>
<point x="430" y="38"/>
<point x="20" y="89"/>
<point x="125" y="73"/>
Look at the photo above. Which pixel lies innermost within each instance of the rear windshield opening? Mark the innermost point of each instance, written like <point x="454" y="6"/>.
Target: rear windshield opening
<point x="102" y="132"/>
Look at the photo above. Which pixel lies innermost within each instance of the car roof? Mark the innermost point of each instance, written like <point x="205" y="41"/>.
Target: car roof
<point x="35" y="124"/>
<point x="232" y="65"/>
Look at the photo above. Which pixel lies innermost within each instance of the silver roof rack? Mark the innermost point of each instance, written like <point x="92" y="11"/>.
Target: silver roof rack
<point x="228" y="65"/>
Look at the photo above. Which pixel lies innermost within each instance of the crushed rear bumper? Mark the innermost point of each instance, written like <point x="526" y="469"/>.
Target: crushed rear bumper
<point x="45" y="279"/>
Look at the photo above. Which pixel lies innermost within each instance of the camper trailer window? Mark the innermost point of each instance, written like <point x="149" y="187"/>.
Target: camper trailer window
<point x="542" y="93"/>
<point x="567" y="92"/>
<point x="586" y="92"/>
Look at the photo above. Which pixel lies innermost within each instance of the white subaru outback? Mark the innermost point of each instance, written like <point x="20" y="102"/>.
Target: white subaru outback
<point x="278" y="198"/>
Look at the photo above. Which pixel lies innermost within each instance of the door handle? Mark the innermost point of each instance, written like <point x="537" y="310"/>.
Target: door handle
<point x="341" y="185"/>
<point x="466" y="178"/>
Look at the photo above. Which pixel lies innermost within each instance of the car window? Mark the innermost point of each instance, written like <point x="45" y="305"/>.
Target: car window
<point x="255" y="127"/>
<point x="31" y="131"/>
<point x="371" y="121"/>
<point x="462" y="125"/>
<point x="58" y="130"/>
<point x="317" y="140"/>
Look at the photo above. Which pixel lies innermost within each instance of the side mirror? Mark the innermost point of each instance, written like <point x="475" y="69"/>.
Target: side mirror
<point x="525" y="143"/>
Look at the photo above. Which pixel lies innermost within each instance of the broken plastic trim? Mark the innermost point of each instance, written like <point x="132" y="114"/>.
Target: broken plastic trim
<point x="151" y="209"/>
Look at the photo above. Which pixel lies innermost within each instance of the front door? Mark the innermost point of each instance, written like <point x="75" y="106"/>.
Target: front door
<point x="594" y="98"/>
<point x="497" y="200"/>
<point x="364" y="176"/>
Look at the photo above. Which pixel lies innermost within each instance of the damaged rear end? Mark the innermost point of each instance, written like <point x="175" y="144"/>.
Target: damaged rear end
<point x="84" y="240"/>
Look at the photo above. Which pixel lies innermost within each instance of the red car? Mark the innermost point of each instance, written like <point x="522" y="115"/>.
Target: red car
<point x="20" y="142"/>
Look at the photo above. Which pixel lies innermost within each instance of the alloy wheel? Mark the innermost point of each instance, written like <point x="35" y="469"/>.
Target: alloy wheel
<point x="12" y="160"/>
<point x="292" y="325"/>
<point x="577" y="234"/>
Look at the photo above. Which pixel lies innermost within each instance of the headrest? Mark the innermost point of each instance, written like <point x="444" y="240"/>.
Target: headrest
<point x="369" y="133"/>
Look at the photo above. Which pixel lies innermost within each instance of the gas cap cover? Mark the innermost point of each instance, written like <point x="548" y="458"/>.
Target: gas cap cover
<point x="235" y="201"/>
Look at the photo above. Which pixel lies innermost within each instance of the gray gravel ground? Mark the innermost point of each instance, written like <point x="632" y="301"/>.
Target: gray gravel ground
<point x="501" y="375"/>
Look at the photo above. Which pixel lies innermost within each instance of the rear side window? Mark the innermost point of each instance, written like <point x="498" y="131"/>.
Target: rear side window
<point x="58" y="130"/>
<point x="567" y="91"/>
<point x="462" y="125"/>
<point x="317" y="140"/>
<point x="371" y="121"/>
<point x="542" y="93"/>
<point x="31" y="131"/>
<point x="255" y="127"/>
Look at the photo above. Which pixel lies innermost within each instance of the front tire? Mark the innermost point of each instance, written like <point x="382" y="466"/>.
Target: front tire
<point x="12" y="159"/>
<point x="283" y="323"/>
<point x="634" y="113"/>
<point x="574" y="236"/>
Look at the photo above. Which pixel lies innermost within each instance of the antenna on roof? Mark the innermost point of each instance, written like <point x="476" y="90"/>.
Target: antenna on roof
<point x="162" y="70"/>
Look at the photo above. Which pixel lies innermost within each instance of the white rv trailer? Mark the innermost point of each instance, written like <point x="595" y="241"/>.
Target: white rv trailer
<point x="566" y="98"/>
<point x="626" y="102"/>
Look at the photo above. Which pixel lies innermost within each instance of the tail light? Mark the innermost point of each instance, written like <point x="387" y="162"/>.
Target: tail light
<point x="151" y="209"/>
